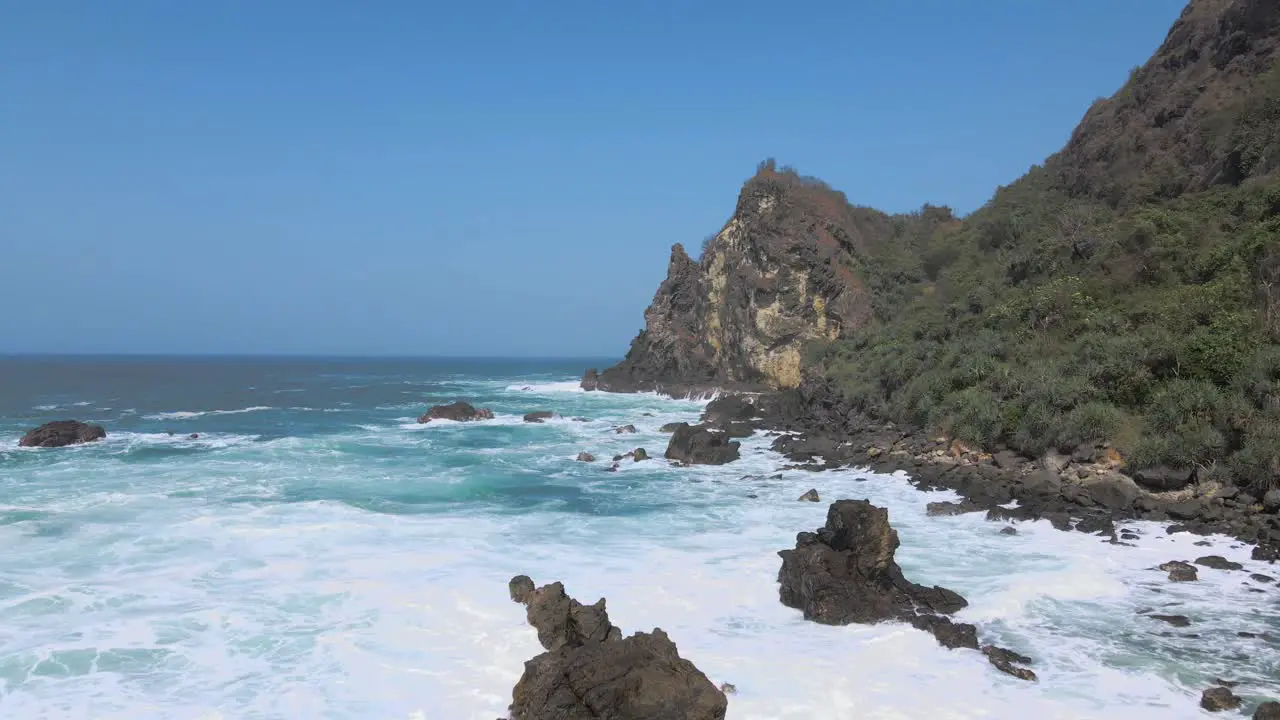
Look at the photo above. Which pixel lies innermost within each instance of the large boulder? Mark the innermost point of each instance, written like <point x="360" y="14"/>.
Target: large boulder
<point x="1164" y="479"/>
<point x="61" y="433"/>
<point x="728" y="409"/>
<point x="701" y="445"/>
<point x="538" y="416"/>
<point x="458" y="411"/>
<point x="590" y="672"/>
<point x="846" y="572"/>
<point x="1269" y="710"/>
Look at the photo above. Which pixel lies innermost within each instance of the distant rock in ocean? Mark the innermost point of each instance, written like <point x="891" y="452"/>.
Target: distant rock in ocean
<point x="458" y="411"/>
<point x="61" y="433"/>
<point x="591" y="672"/>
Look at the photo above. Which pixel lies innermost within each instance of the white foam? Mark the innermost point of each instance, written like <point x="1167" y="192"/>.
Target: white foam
<point x="189" y="414"/>
<point x="565" y="386"/>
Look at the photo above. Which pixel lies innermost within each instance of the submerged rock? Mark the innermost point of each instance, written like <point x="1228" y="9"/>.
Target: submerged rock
<point x="61" y="433"/>
<point x="700" y="445"/>
<point x="625" y="429"/>
<point x="810" y="496"/>
<point x="1174" y="620"/>
<point x="1006" y="661"/>
<point x="1217" y="562"/>
<point x="538" y="416"/>
<point x="586" y="457"/>
<point x="458" y="411"/>
<point x="590" y="672"/>
<point x="639" y="454"/>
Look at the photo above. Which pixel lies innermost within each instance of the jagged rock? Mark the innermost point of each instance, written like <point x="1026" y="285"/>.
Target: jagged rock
<point x="700" y="445"/>
<point x="639" y="454"/>
<point x="1269" y="710"/>
<point x="810" y="496"/>
<point x="949" y="634"/>
<point x="458" y="411"/>
<point x="590" y="672"/>
<point x="670" y="427"/>
<point x="1004" y="661"/>
<point x="1180" y="571"/>
<point x="846" y="573"/>
<point x="61" y="433"/>
<point x="538" y="416"/>
<point x="728" y="688"/>
<point x="1217" y="562"/>
<point x="586" y="457"/>
<point x="625" y="430"/>
<point x="1216" y="699"/>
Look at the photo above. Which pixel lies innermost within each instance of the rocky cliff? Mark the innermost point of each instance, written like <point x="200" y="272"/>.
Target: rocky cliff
<point x="782" y="271"/>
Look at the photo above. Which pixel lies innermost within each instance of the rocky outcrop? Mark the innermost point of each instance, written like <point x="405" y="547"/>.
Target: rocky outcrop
<point x="784" y="270"/>
<point x="590" y="672"/>
<point x="701" y="445"/>
<point x="458" y="411"/>
<point x="845" y="572"/>
<point x="61" y="433"/>
<point x="1269" y="710"/>
<point x="538" y="416"/>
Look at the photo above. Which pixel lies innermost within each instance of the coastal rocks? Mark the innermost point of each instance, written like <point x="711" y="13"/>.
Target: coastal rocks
<point x="846" y="572"/>
<point x="1217" y="562"/>
<point x="700" y="445"/>
<point x="809" y="496"/>
<point x="624" y="430"/>
<point x="1217" y="699"/>
<point x="1180" y="571"/>
<point x="586" y="457"/>
<point x="590" y="672"/>
<point x="937" y="509"/>
<point x="729" y="409"/>
<point x="1164" y="479"/>
<point x="639" y="454"/>
<point x="538" y="416"/>
<point x="1271" y="501"/>
<point x="1180" y="621"/>
<point x="61" y="433"/>
<point x="457" y="411"/>
<point x="670" y="427"/>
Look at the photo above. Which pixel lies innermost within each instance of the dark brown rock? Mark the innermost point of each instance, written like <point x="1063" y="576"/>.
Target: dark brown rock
<point x="810" y="496"/>
<point x="670" y="427"/>
<point x="1174" y="620"/>
<point x="1269" y="710"/>
<point x="639" y="454"/>
<point x="1180" y="571"/>
<point x="700" y="445"/>
<point x="846" y="572"/>
<point x="538" y="416"/>
<point x="1164" y="479"/>
<point x="625" y="429"/>
<point x="935" y="509"/>
<point x="61" y="433"/>
<point x="590" y="672"/>
<point x="1217" y="699"/>
<point x="458" y="411"/>
<point x="586" y="457"/>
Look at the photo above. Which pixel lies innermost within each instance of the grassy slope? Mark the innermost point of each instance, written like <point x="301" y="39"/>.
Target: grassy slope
<point x="1074" y="309"/>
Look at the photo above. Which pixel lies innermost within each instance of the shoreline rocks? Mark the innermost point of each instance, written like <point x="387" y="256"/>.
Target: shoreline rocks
<point x="591" y="672"/>
<point x="458" y="411"/>
<point x="61" y="433"/>
<point x="538" y="416"/>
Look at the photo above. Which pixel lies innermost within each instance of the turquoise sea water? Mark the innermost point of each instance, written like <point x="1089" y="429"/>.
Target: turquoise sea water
<point x="316" y="553"/>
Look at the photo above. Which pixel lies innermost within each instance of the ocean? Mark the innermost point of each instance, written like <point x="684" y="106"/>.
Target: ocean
<point x="316" y="553"/>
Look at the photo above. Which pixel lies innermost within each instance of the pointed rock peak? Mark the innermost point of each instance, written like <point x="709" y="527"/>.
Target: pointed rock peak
<point x="679" y="256"/>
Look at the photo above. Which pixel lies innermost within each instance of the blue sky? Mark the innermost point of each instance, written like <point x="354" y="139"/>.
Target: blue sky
<point x="500" y="178"/>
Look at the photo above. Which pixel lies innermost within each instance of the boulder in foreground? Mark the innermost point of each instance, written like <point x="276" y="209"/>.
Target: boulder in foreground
<point x="61" y="433"/>
<point x="591" y="672"/>
<point x="701" y="445"/>
<point x="458" y="411"/>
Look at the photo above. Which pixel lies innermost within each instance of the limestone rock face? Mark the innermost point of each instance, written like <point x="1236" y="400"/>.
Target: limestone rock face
<point x="781" y="272"/>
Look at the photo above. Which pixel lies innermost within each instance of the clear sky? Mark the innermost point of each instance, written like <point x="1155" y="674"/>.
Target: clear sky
<point x="491" y="178"/>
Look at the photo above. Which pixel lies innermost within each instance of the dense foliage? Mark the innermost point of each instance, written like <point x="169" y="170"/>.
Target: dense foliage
<point x="1070" y="311"/>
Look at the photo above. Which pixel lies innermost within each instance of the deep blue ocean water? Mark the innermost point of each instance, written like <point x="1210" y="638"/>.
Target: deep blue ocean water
<point x="316" y="553"/>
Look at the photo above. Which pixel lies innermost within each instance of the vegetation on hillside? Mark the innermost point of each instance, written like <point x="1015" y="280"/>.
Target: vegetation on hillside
<point x="1072" y="309"/>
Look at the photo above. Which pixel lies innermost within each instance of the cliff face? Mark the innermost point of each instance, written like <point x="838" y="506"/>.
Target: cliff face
<point x="781" y="272"/>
